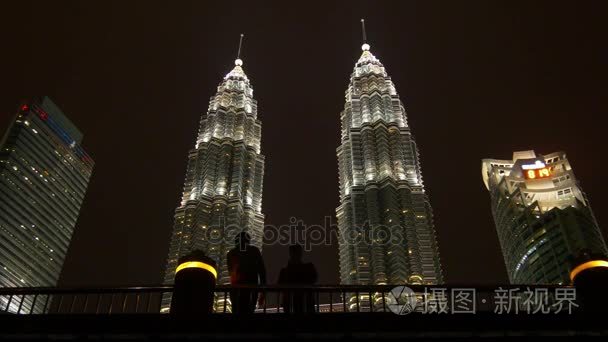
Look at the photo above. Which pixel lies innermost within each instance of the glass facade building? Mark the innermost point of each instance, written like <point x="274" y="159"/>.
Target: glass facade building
<point x="543" y="218"/>
<point x="385" y="220"/>
<point x="44" y="173"/>
<point x="222" y="193"/>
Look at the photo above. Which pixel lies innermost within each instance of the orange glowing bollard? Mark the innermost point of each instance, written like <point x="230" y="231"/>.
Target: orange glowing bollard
<point x="195" y="279"/>
<point x="590" y="278"/>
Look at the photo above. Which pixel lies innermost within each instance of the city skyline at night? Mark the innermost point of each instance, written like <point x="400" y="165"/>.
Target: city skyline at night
<point x="471" y="77"/>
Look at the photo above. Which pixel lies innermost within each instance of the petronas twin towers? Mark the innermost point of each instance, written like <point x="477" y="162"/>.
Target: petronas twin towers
<point x="223" y="188"/>
<point x="385" y="220"/>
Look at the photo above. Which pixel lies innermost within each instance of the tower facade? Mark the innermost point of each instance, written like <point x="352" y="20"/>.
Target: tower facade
<point x="44" y="174"/>
<point x="543" y="218"/>
<point x="385" y="220"/>
<point x="222" y="193"/>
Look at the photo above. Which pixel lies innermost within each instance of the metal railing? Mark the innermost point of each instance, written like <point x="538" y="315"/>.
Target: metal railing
<point x="322" y="299"/>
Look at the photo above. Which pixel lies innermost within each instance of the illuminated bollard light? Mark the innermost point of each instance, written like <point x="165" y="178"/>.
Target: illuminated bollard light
<point x="590" y="278"/>
<point x="195" y="279"/>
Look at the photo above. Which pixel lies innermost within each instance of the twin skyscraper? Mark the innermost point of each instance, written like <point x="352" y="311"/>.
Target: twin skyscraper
<point x="381" y="190"/>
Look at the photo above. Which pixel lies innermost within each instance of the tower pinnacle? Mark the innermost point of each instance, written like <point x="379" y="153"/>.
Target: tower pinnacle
<point x="365" y="46"/>
<point x="238" y="60"/>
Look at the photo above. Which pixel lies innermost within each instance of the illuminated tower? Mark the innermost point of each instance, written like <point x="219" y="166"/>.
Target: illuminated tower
<point x="223" y="188"/>
<point x="44" y="174"/>
<point x="543" y="219"/>
<point x="385" y="219"/>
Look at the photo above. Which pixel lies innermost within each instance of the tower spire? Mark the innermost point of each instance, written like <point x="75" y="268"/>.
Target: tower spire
<point x="365" y="46"/>
<point x="238" y="60"/>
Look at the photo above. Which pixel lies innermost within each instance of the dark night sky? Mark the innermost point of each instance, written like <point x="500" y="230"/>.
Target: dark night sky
<point x="478" y="79"/>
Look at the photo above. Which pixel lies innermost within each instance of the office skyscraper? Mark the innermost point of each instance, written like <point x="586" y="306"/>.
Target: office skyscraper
<point x="44" y="176"/>
<point x="543" y="219"/>
<point x="385" y="219"/>
<point x="223" y="189"/>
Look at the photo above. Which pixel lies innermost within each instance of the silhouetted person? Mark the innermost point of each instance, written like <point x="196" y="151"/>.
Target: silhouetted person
<point x="298" y="273"/>
<point x="246" y="267"/>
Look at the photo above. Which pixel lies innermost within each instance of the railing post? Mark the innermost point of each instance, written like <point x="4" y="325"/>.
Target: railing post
<point x="8" y="304"/>
<point x="60" y="302"/>
<point x="264" y="294"/>
<point x="72" y="303"/>
<point x="86" y="301"/>
<point x="383" y="302"/>
<point x="160" y="302"/>
<point x="136" y="302"/>
<point x="150" y="301"/>
<point x="111" y="304"/>
<point x="21" y="304"/>
<point x="46" y="302"/>
<point x="33" y="303"/>
<point x="98" y="303"/>
<point x="124" y="302"/>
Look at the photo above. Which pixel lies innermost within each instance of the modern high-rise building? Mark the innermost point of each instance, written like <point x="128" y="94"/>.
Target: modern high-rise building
<point x="44" y="173"/>
<point x="543" y="218"/>
<point x="385" y="220"/>
<point x="223" y="189"/>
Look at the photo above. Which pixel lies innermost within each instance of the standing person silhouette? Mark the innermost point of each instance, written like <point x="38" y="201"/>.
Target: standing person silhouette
<point x="298" y="273"/>
<point x="246" y="267"/>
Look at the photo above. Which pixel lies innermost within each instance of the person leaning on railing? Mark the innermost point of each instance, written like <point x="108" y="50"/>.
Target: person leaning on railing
<point x="298" y="273"/>
<point x="246" y="267"/>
